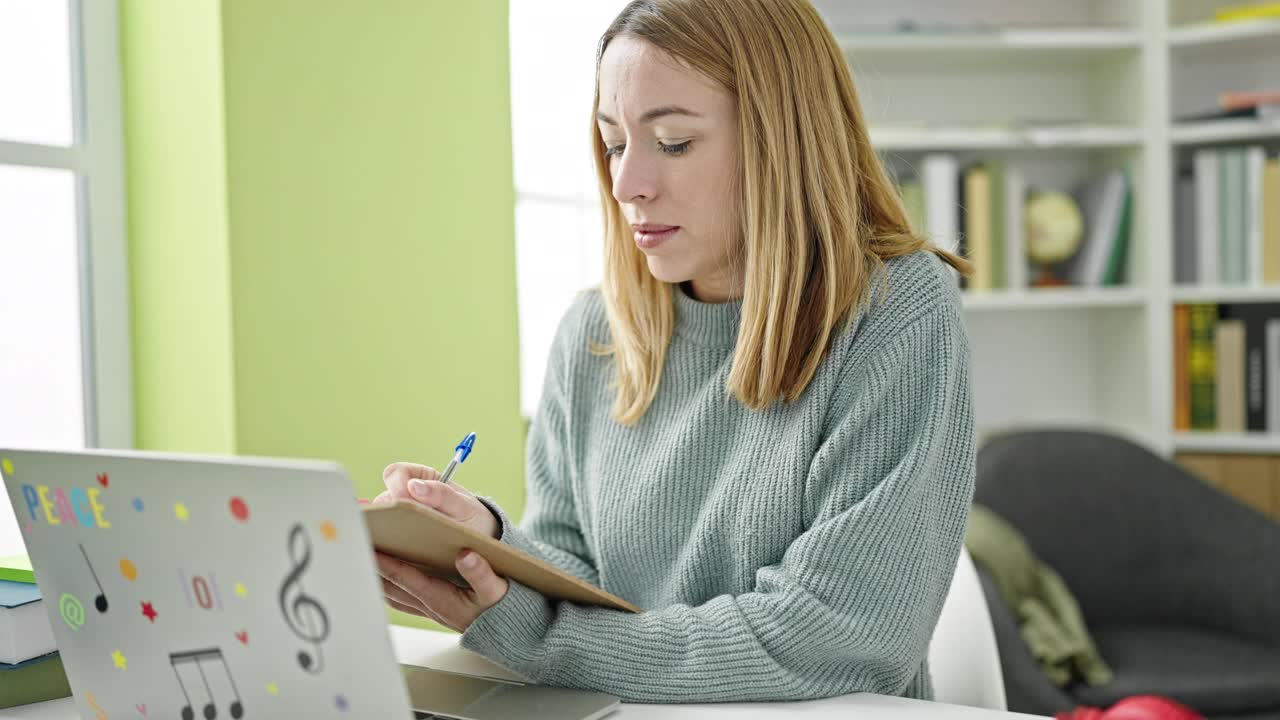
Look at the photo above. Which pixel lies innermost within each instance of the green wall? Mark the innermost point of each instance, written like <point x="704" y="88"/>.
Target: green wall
<point x="321" y="226"/>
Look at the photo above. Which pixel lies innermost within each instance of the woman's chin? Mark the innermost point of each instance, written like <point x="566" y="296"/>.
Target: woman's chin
<point x="666" y="271"/>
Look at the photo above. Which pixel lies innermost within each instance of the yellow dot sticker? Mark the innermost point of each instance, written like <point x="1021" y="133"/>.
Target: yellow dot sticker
<point x="7" y="465"/>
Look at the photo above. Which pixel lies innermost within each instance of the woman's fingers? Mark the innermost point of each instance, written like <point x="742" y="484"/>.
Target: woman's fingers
<point x="487" y="587"/>
<point x="446" y="499"/>
<point x="396" y="477"/>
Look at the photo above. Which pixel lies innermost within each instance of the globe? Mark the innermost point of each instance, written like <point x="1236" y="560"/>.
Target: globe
<point x="1054" y="227"/>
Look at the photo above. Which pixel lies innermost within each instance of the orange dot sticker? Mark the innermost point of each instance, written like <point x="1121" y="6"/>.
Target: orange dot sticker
<point x="128" y="570"/>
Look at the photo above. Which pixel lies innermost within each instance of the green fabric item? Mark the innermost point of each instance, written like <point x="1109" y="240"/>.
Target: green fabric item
<point x="1050" y="618"/>
<point x="795" y="552"/>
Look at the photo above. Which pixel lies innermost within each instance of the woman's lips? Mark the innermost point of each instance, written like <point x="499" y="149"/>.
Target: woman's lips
<point x="651" y="236"/>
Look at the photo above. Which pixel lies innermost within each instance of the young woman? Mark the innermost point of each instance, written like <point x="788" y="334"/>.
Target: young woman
<point x="759" y="428"/>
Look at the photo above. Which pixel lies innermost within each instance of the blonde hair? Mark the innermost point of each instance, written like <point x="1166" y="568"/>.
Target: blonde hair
<point x="818" y="211"/>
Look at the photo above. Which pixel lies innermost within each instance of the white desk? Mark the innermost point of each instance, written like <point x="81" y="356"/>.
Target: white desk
<point x="440" y="650"/>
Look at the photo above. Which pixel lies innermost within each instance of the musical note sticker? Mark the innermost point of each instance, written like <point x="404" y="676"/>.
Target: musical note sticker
<point x="205" y="590"/>
<point x="99" y="602"/>
<point x="210" y="709"/>
<point x="93" y="704"/>
<point x="305" y="616"/>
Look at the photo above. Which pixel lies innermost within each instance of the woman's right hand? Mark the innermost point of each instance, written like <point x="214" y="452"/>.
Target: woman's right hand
<point x="421" y="484"/>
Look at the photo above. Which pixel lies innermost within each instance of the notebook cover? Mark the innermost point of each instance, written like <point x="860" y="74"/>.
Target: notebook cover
<point x="17" y="568"/>
<point x="16" y="594"/>
<point x="36" y="680"/>
<point x="432" y="541"/>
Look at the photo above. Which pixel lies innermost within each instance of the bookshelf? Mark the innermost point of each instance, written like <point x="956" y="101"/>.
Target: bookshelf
<point x="1064" y="90"/>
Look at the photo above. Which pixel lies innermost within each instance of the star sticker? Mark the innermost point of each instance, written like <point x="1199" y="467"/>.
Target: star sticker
<point x="149" y="611"/>
<point x="118" y="658"/>
<point x="329" y="530"/>
<point x="180" y="512"/>
<point x="241" y="590"/>
<point x="271" y="688"/>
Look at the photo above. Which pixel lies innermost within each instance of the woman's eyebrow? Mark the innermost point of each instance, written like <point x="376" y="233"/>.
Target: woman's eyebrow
<point x="652" y="115"/>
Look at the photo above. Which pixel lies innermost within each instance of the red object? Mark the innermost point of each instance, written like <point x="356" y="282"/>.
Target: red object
<point x="243" y="637"/>
<point x="1138" y="707"/>
<point x="103" y="480"/>
<point x="1246" y="100"/>
<point x="239" y="509"/>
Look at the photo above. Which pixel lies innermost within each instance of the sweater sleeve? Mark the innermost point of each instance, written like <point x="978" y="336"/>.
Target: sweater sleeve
<point x="853" y="602"/>
<point x="551" y="530"/>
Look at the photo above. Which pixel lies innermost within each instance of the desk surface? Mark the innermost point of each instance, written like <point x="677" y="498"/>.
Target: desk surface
<point x="441" y="651"/>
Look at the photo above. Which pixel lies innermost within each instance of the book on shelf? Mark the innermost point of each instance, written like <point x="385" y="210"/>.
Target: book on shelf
<point x="1254" y="318"/>
<point x="1271" y="222"/>
<point x="1201" y="370"/>
<point x="1267" y="101"/>
<point x="1181" y="378"/>
<point x="1227" y="219"/>
<point x="1252" y="11"/>
<point x="1106" y="203"/>
<point x="1227" y="367"/>
<point x="978" y="230"/>
<point x="1185" y="248"/>
<point x="941" y="173"/>
<point x="1229" y="363"/>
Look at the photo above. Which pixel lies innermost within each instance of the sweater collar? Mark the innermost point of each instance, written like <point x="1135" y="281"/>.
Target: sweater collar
<point x="712" y="324"/>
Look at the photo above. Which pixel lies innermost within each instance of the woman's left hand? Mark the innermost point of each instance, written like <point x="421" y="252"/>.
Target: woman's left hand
<point x="410" y="590"/>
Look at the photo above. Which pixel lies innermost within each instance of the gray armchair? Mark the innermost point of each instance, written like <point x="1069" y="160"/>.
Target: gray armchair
<point x="1179" y="583"/>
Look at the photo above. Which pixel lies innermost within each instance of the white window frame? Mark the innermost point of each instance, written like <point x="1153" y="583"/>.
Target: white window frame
<point x="96" y="156"/>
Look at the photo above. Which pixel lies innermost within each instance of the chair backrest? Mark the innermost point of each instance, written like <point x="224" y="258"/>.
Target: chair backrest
<point x="963" y="657"/>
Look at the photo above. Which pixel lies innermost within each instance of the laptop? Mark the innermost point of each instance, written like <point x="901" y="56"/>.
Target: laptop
<point x="203" y="587"/>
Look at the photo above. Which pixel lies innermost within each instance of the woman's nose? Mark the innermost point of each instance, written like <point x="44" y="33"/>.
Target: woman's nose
<point x="634" y="177"/>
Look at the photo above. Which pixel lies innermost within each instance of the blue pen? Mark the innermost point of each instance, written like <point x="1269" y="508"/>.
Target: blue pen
<point x="460" y="454"/>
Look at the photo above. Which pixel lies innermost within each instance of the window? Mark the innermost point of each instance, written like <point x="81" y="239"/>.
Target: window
<point x="559" y="230"/>
<point x="65" y="377"/>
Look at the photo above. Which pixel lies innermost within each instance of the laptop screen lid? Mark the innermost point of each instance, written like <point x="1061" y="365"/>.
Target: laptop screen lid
<point x="201" y="587"/>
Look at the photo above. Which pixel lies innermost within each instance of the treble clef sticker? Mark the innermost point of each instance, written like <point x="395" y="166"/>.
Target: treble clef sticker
<point x="304" y="614"/>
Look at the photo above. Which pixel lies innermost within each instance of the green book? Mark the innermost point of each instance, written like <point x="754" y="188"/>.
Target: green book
<point x="913" y="199"/>
<point x="17" y="568"/>
<point x="1114" y="274"/>
<point x="1202" y="367"/>
<point x="999" y="233"/>
<point x="33" y="681"/>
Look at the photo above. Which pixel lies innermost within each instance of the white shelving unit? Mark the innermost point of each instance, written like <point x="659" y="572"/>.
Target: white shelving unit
<point x="1100" y="81"/>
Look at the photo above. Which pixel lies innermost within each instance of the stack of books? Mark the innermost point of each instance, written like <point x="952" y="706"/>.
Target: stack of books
<point x="1227" y="229"/>
<point x="1227" y="367"/>
<point x="979" y="211"/>
<point x="30" y="668"/>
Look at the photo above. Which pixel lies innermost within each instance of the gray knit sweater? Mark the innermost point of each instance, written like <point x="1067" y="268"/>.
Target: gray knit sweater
<point x="797" y="552"/>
